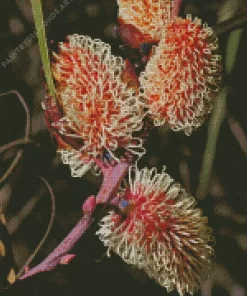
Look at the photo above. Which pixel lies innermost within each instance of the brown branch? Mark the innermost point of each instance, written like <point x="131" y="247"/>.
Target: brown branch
<point x="16" y="221"/>
<point x="26" y="136"/>
<point x="15" y="144"/>
<point x="238" y="133"/>
<point x="41" y="243"/>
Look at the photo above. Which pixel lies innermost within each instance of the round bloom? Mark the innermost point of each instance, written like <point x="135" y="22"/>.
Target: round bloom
<point x="98" y="107"/>
<point x="183" y="75"/>
<point x="148" y="16"/>
<point x="160" y="230"/>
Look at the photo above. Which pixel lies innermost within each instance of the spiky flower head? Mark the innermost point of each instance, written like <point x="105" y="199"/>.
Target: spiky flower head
<point x="148" y="16"/>
<point x="160" y="231"/>
<point x="97" y="106"/>
<point x="183" y="75"/>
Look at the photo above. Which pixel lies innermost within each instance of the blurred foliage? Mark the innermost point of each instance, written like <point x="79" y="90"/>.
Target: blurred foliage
<point x="26" y="203"/>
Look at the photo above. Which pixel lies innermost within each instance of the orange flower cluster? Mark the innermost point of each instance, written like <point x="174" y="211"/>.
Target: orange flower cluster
<point x="148" y="16"/>
<point x="101" y="104"/>
<point x="182" y="75"/>
<point x="98" y="107"/>
<point x="183" y="71"/>
<point x="160" y="231"/>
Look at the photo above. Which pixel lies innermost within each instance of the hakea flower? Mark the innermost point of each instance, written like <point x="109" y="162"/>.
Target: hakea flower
<point x="97" y="106"/>
<point x="183" y="75"/>
<point x="144" y="16"/>
<point x="160" y="230"/>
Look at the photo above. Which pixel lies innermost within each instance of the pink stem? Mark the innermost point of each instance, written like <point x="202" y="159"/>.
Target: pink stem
<point x="113" y="176"/>
<point x="62" y="249"/>
<point x="176" y="4"/>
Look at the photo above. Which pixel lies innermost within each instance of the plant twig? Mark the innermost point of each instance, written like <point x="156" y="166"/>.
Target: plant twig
<point x="113" y="178"/>
<point x="50" y="262"/>
<point x="16" y="221"/>
<point x="40" y="28"/>
<point x="26" y="136"/>
<point x="238" y="133"/>
<point x="15" y="144"/>
<point x="41" y="243"/>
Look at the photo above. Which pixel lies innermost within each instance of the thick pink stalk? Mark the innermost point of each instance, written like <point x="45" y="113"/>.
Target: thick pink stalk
<point x="113" y="176"/>
<point x="62" y="249"/>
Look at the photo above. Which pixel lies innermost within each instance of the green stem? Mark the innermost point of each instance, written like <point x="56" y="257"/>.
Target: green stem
<point x="40" y="28"/>
<point x="215" y="122"/>
<point x="217" y="118"/>
<point x="229" y="25"/>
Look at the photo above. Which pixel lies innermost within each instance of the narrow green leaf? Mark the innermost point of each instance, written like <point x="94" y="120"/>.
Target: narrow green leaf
<point x="217" y="117"/>
<point x="40" y="29"/>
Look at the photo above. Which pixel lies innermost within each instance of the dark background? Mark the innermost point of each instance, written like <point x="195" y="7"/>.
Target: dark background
<point x="26" y="203"/>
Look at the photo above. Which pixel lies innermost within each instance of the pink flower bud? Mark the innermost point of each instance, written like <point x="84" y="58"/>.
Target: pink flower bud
<point x="66" y="259"/>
